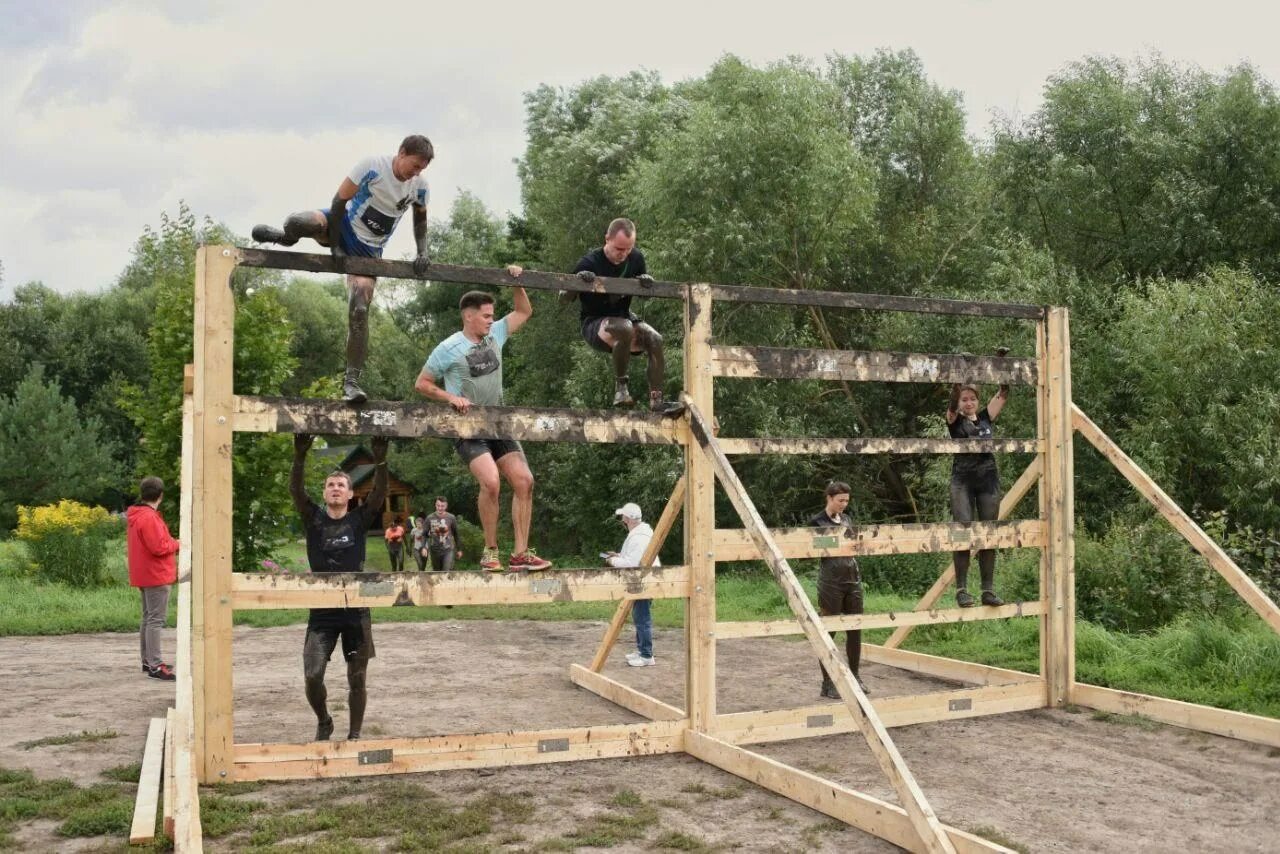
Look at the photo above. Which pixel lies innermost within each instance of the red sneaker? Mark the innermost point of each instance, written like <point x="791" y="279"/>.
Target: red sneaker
<point x="162" y="671"/>
<point x="528" y="561"/>
<point x="489" y="560"/>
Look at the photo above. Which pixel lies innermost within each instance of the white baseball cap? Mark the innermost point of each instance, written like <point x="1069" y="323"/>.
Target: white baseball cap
<point x="630" y="510"/>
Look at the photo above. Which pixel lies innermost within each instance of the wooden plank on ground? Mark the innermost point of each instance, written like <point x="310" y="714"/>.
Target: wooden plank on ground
<point x="143" y="828"/>
<point x="845" y="622"/>
<point x="421" y="419"/>
<point x="260" y="590"/>
<point x="807" y="445"/>
<point x="624" y="695"/>
<point x="929" y="830"/>
<point x="1029" y="478"/>
<point x="446" y="752"/>
<point x="943" y="668"/>
<point x="1246" y="727"/>
<point x="170" y="725"/>
<point x="877" y="817"/>
<point x="865" y="366"/>
<point x="828" y="718"/>
<point x="670" y="513"/>
<point x="1245" y="586"/>
<point x="736" y="544"/>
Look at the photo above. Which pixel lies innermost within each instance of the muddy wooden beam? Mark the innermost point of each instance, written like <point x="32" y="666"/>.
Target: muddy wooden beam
<point x="439" y="753"/>
<point x="829" y="718"/>
<point x="872" y="815"/>
<point x="265" y="591"/>
<point x="452" y="273"/>
<point x="422" y="419"/>
<point x="736" y="544"/>
<point x="874" y="302"/>
<point x="802" y="445"/>
<point x="869" y="366"/>
<point x="845" y="622"/>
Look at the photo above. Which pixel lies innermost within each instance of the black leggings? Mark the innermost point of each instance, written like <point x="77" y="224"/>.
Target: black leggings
<point x="981" y="490"/>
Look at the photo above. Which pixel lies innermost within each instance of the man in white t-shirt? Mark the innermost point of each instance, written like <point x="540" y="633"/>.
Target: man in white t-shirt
<point x="359" y="221"/>
<point x="633" y="548"/>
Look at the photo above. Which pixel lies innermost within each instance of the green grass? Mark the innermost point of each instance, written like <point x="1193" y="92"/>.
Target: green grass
<point x="71" y="738"/>
<point x="105" y="809"/>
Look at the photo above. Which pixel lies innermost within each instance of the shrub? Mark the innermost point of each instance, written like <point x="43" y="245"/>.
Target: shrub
<point x="67" y="541"/>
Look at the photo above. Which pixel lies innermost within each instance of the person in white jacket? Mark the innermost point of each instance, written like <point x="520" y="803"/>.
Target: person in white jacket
<point x="638" y="536"/>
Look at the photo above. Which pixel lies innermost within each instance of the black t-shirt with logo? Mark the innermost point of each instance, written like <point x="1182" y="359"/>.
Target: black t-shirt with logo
<point x="609" y="305"/>
<point x="966" y="465"/>
<point x="836" y="569"/>
<point x="336" y="545"/>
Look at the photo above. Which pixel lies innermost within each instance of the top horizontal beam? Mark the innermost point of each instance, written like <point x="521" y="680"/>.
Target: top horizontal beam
<point x="536" y="280"/>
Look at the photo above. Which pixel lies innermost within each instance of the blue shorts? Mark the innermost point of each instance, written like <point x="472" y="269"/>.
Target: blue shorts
<point x="351" y="244"/>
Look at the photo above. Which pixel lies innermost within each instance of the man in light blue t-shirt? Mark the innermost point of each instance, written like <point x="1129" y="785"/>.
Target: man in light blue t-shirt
<point x="360" y="220"/>
<point x="465" y="370"/>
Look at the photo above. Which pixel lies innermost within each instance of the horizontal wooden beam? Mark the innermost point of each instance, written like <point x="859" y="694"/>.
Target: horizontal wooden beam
<point x="1246" y="727"/>
<point x="453" y="273"/>
<point x="832" y="718"/>
<point x="736" y="544"/>
<point x="801" y="445"/>
<point x="1240" y="582"/>
<point x="265" y="591"/>
<point x="446" y="752"/>
<point x="433" y="420"/>
<point x="844" y="622"/>
<point x="874" y="302"/>
<point x="869" y="366"/>
<point x="877" y="817"/>
<point x="624" y="695"/>
<point x="944" y="668"/>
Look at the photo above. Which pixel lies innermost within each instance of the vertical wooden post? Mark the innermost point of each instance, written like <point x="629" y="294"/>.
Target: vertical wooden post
<point x="211" y="510"/>
<point x="1057" y="640"/>
<point x="700" y="518"/>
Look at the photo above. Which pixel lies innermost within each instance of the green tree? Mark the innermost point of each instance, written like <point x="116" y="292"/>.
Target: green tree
<point x="48" y="451"/>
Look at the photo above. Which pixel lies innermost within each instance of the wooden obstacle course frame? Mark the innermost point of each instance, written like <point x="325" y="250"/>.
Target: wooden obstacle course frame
<point x="204" y="747"/>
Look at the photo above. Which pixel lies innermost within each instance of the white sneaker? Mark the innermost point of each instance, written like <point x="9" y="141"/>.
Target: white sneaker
<point x="635" y="659"/>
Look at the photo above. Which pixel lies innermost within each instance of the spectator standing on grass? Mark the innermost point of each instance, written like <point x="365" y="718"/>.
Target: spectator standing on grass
<point x="152" y="568"/>
<point x="639" y="534"/>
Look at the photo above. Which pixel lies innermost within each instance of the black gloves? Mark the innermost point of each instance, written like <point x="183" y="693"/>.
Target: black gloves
<point x="421" y="263"/>
<point x="586" y="276"/>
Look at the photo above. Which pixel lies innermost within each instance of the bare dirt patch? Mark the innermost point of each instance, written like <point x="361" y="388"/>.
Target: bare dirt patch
<point x="1046" y="780"/>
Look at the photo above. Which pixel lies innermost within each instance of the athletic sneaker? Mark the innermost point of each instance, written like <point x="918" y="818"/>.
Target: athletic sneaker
<point x="528" y="560"/>
<point x="266" y="234"/>
<point x="990" y="598"/>
<point x="324" y="729"/>
<point x="162" y="671"/>
<point x="635" y="659"/>
<point x="964" y="599"/>
<point x="490" y="561"/>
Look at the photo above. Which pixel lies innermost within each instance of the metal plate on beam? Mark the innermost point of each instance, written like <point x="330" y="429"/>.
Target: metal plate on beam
<point x="553" y="745"/>
<point x="960" y="705"/>
<point x="819" y="721"/>
<point x="377" y="588"/>
<point x="826" y="542"/>
<point x="546" y="586"/>
<point x="375" y="757"/>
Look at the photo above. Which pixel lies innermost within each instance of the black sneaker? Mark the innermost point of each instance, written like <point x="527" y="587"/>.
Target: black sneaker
<point x="324" y="729"/>
<point x="829" y="691"/>
<point x="963" y="599"/>
<point x="862" y="685"/>
<point x="990" y="598"/>
<point x="266" y="234"/>
<point x="353" y="735"/>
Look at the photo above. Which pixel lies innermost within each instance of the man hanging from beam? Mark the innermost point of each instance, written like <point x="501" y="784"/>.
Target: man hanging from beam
<point x="609" y="325"/>
<point x="336" y="536"/>
<point x="468" y="364"/>
<point x="359" y="222"/>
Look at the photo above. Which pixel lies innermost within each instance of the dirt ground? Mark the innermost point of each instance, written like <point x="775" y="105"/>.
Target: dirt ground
<point x="1045" y="780"/>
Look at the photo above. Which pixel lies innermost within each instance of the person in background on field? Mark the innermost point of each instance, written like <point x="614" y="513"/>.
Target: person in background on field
<point x="418" y="537"/>
<point x="336" y="537"/>
<point x="839" y="582"/>
<point x="443" y="543"/>
<point x="975" y="482"/>
<point x="639" y="534"/>
<point x="152" y="568"/>
<point x="394" y="535"/>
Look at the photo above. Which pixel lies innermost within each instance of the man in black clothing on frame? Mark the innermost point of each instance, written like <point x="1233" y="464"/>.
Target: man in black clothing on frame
<point x="335" y="543"/>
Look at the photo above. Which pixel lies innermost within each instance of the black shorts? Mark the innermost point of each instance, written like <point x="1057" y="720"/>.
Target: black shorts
<point x="591" y="332"/>
<point x="356" y="635"/>
<point x="839" y="591"/>
<point x="470" y="449"/>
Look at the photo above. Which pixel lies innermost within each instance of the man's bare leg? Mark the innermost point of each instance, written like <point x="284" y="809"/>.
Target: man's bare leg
<point x="515" y="468"/>
<point x="618" y="333"/>
<point x="485" y="471"/>
<point x="359" y="298"/>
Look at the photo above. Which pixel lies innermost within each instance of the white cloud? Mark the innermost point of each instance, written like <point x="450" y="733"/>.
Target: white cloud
<point x="248" y="110"/>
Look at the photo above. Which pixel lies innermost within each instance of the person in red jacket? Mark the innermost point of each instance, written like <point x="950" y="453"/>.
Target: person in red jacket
<point x="152" y="568"/>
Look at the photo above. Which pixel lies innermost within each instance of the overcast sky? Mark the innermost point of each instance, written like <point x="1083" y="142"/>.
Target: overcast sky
<point x="111" y="112"/>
